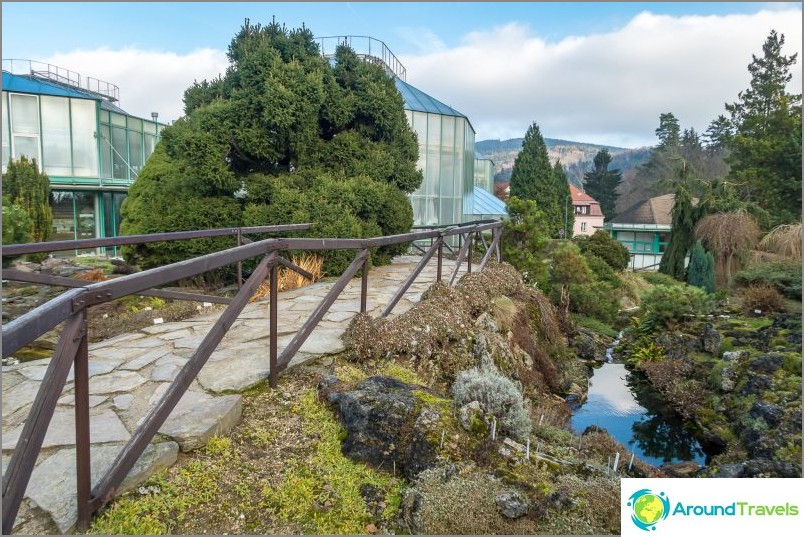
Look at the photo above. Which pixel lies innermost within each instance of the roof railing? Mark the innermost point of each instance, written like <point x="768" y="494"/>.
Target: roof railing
<point x="367" y="48"/>
<point x="60" y="75"/>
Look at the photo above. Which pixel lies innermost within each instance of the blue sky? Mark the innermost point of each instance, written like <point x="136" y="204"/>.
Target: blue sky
<point x="599" y="72"/>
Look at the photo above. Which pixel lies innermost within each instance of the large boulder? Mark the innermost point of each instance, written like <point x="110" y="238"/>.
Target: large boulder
<point x="390" y="423"/>
<point x="589" y="346"/>
<point x="678" y="345"/>
<point x="710" y="339"/>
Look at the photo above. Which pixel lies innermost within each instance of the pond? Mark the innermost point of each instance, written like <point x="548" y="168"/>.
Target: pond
<point x="632" y="412"/>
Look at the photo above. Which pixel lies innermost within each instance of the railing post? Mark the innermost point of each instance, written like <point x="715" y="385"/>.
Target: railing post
<point x="499" y="244"/>
<point x="440" y="254"/>
<point x="469" y="241"/>
<point x="364" y="286"/>
<point x="239" y="263"/>
<point x="274" y="373"/>
<point x="82" y="435"/>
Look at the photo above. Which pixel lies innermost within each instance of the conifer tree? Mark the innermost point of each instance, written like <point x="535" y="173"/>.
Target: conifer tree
<point x="701" y="270"/>
<point x="28" y="188"/>
<point x="601" y="183"/>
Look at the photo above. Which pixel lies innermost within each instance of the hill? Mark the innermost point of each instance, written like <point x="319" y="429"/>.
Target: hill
<point x="576" y="157"/>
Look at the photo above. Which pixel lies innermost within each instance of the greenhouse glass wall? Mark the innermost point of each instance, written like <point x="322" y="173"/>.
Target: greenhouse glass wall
<point x="484" y="173"/>
<point x="90" y="148"/>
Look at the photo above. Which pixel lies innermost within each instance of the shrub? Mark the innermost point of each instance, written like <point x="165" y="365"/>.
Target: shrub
<point x="764" y="298"/>
<point x="657" y="278"/>
<point x="784" y="240"/>
<point x="667" y="305"/>
<point x="701" y="270"/>
<point x="497" y="395"/>
<point x="602" y="270"/>
<point x="607" y="248"/>
<point x="15" y="226"/>
<point x="785" y="276"/>
<point x="525" y="239"/>
<point x="30" y="189"/>
<point x="597" y="299"/>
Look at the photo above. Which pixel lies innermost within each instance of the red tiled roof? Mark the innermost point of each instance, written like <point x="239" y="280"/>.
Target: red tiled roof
<point x="579" y="197"/>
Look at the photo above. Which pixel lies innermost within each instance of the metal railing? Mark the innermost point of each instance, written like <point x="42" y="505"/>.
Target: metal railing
<point x="72" y="348"/>
<point x="63" y="76"/>
<point x="368" y="48"/>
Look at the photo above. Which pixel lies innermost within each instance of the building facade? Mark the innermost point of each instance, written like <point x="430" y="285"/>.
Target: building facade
<point x="73" y="127"/>
<point x="484" y="173"/>
<point x="644" y="229"/>
<point x="588" y="215"/>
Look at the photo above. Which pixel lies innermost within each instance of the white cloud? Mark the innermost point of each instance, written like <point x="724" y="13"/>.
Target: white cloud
<point x="605" y="88"/>
<point x="149" y="81"/>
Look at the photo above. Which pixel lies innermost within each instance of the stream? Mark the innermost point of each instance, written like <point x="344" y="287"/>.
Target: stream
<point x="634" y="414"/>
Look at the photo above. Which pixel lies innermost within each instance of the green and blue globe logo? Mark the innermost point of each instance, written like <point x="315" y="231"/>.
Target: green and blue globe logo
<point x="648" y="508"/>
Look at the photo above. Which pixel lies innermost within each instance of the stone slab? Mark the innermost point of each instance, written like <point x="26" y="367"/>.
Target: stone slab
<point x="146" y="359"/>
<point x="242" y="368"/>
<point x="104" y="426"/>
<point x="52" y="485"/>
<point x="19" y="396"/>
<point x="199" y="416"/>
<point x="117" y="381"/>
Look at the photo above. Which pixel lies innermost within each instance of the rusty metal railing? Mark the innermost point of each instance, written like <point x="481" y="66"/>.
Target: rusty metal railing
<point x="71" y="308"/>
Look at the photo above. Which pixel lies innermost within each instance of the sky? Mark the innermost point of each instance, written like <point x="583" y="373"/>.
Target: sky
<point x="597" y="72"/>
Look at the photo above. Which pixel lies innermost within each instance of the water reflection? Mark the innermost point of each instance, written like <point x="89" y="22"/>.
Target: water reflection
<point x="630" y="410"/>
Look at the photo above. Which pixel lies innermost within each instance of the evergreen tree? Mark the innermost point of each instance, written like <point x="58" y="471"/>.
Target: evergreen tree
<point x="701" y="270"/>
<point x="28" y="188"/>
<point x="284" y="136"/>
<point x="561" y="185"/>
<point x="668" y="132"/>
<point x="533" y="178"/>
<point x="525" y="240"/>
<point x="766" y="148"/>
<point x="682" y="234"/>
<point x="601" y="183"/>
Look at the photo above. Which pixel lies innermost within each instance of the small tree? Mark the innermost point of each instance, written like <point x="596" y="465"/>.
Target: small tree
<point x="601" y="183"/>
<point x="27" y="187"/>
<point x="604" y="246"/>
<point x="525" y="238"/>
<point x="730" y="236"/>
<point x="701" y="271"/>
<point x="681" y="236"/>
<point x="15" y="225"/>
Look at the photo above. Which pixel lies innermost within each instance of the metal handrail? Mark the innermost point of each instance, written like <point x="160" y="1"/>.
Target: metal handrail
<point x="72" y="347"/>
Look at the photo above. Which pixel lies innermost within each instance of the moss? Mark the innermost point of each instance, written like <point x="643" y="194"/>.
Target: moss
<point x="398" y="371"/>
<point x="30" y="353"/>
<point x="322" y="493"/>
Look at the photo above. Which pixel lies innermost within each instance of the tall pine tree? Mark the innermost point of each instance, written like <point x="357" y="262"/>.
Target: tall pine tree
<point x="683" y="233"/>
<point x="765" y="149"/>
<point x="601" y="183"/>
<point x="533" y="178"/>
<point x="561" y="184"/>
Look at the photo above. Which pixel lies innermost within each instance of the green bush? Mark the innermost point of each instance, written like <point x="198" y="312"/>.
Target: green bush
<point x="525" y="240"/>
<point x="785" y="276"/>
<point x="15" y="226"/>
<point x="596" y="299"/>
<point x="701" y="269"/>
<point x="27" y="187"/>
<point x="602" y="270"/>
<point x="594" y="324"/>
<point x="607" y="248"/>
<point x="657" y="278"/>
<point x="667" y="305"/>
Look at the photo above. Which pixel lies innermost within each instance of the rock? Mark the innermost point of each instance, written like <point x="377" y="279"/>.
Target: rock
<point x="588" y="346"/>
<point x="471" y="416"/>
<point x="511" y="504"/>
<point x="412" y="503"/>
<point x="677" y="345"/>
<point x="387" y="423"/>
<point x="199" y="416"/>
<point x="487" y="322"/>
<point x="681" y="469"/>
<point x="728" y="471"/>
<point x="482" y="352"/>
<point x="117" y="381"/>
<point x="770" y="468"/>
<point x="756" y="384"/>
<point x="732" y="356"/>
<point x="243" y="369"/>
<point x="371" y="528"/>
<point x="52" y="485"/>
<point x="767" y="363"/>
<point x="710" y="339"/>
<point x="772" y="414"/>
<point x="123" y="402"/>
<point x="728" y="379"/>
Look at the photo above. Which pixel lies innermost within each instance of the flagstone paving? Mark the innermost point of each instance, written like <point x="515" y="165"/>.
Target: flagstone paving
<point x="130" y="373"/>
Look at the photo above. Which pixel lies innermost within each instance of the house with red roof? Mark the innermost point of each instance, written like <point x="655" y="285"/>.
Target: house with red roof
<point x="588" y="215"/>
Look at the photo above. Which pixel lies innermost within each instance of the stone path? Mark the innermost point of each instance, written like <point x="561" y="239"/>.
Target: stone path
<point x="130" y="373"/>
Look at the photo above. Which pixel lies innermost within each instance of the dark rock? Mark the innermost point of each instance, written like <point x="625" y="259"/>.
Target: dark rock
<point x="511" y="504"/>
<point x="121" y="267"/>
<point x="728" y="471"/>
<point x="678" y="345"/>
<point x="731" y="356"/>
<point x="710" y="339"/>
<point x="767" y="363"/>
<point x="772" y="414"/>
<point x="728" y="379"/>
<point x="756" y="384"/>
<point x="770" y="468"/>
<point x="554" y="501"/>
<point x="387" y="424"/>
<point x="681" y="469"/>
<point x="412" y="510"/>
<point x="374" y="498"/>
<point x="588" y="345"/>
